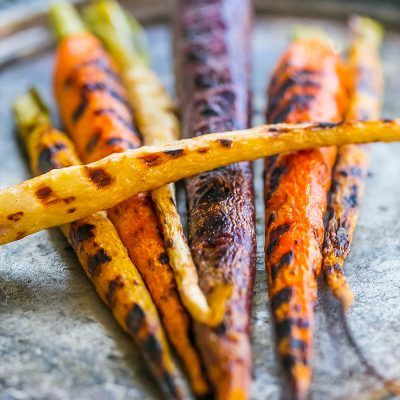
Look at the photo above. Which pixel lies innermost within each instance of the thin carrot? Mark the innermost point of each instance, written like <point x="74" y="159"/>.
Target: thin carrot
<point x="98" y="247"/>
<point x="94" y="109"/>
<point x="306" y="86"/>
<point x="351" y="167"/>
<point x="107" y="182"/>
<point x="157" y="123"/>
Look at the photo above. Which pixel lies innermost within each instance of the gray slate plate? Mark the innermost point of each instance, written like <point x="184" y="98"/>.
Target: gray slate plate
<point x="57" y="339"/>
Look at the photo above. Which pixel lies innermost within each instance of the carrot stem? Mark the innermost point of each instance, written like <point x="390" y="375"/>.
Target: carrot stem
<point x="65" y="20"/>
<point x="120" y="32"/>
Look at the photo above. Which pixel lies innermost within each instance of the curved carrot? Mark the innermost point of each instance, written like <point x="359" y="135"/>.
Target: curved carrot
<point x="306" y="86"/>
<point x="93" y="106"/>
<point x="351" y="167"/>
<point x="98" y="247"/>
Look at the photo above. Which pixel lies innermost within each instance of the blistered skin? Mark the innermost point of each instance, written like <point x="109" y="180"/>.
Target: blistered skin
<point x="351" y="167"/>
<point x="94" y="109"/>
<point x="306" y="86"/>
<point x="212" y="49"/>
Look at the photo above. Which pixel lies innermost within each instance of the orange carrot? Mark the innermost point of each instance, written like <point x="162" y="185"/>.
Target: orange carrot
<point x="352" y="163"/>
<point x="94" y="109"/>
<point x="306" y="86"/>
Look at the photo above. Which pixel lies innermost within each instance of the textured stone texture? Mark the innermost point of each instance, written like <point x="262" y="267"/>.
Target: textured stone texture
<point x="58" y="341"/>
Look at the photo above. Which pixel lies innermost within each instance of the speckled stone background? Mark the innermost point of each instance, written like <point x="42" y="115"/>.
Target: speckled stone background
<point x="58" y="341"/>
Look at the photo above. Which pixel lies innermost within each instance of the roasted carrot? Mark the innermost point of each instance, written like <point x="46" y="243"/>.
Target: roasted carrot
<point x="107" y="182"/>
<point x="348" y="184"/>
<point x="157" y="123"/>
<point x="212" y="49"/>
<point x="93" y="106"/>
<point x="98" y="247"/>
<point x="307" y="85"/>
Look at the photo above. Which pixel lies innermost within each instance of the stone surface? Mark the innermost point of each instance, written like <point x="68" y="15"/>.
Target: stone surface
<point x="58" y="341"/>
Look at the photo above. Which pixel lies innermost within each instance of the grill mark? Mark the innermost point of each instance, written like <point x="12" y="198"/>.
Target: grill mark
<point x="298" y="102"/>
<point x="174" y="153"/>
<point x="99" y="177"/>
<point x="288" y="361"/>
<point x="211" y="78"/>
<point x="43" y="193"/>
<point x="134" y="319"/>
<point x="163" y="258"/>
<point x="151" y="160"/>
<point x="275" y="178"/>
<point x="203" y="150"/>
<point x="78" y="233"/>
<point x="91" y="87"/>
<point x="111" y="111"/>
<point x="152" y="347"/>
<point x="304" y="73"/>
<point x="213" y="193"/>
<point x="92" y="143"/>
<point x="290" y="83"/>
<point x="352" y="199"/>
<point x="225" y="142"/>
<point x="335" y="268"/>
<point x="221" y="329"/>
<point x="100" y="63"/>
<point x="353" y="171"/>
<point x="117" y="140"/>
<point x="275" y="235"/>
<point x="282" y="296"/>
<point x="214" y="225"/>
<point x="15" y="216"/>
<point x="46" y="161"/>
<point x="113" y="285"/>
<point x="71" y="210"/>
<point x="70" y="199"/>
<point x="283" y="328"/>
<point x="271" y="219"/>
<point x="96" y="261"/>
<point x="286" y="259"/>
<point x="217" y="105"/>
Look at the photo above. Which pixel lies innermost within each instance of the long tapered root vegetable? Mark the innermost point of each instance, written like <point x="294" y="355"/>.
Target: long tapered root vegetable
<point x="157" y="123"/>
<point x="40" y="202"/>
<point x="212" y="55"/>
<point x="98" y="247"/>
<point x="366" y="89"/>
<point x="94" y="108"/>
<point x="307" y="85"/>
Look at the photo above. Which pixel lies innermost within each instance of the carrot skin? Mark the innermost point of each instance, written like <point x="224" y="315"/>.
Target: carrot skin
<point x="350" y="172"/>
<point x="306" y="86"/>
<point x="212" y="49"/>
<point x="94" y="109"/>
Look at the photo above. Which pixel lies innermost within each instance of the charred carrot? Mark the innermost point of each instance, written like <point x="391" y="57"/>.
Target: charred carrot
<point x="103" y="184"/>
<point x="351" y="167"/>
<point x="98" y="247"/>
<point x="212" y="49"/>
<point x="107" y="182"/>
<point x="307" y="85"/>
<point x="94" y="109"/>
<point x="157" y="123"/>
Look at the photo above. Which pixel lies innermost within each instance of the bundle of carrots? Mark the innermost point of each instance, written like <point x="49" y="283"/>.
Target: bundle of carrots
<point x="197" y="293"/>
